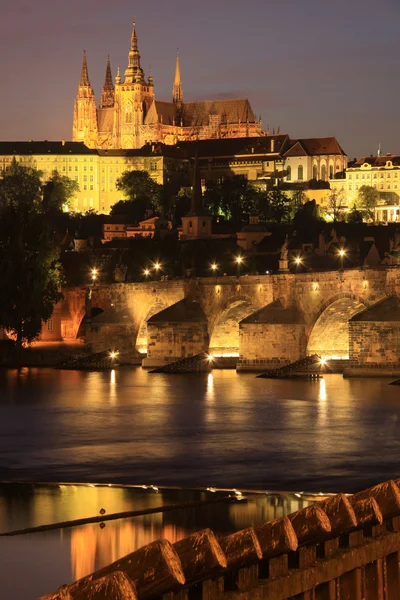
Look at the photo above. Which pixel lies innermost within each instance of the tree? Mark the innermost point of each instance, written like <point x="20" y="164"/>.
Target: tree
<point x="355" y="215"/>
<point x="275" y="207"/>
<point x="235" y="198"/>
<point x="140" y="188"/>
<point x="368" y="197"/>
<point x="308" y="214"/>
<point x="57" y="192"/>
<point x="29" y="268"/>
<point x="335" y="204"/>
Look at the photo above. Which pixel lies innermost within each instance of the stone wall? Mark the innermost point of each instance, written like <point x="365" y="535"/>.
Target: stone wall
<point x="270" y="345"/>
<point x="169" y="342"/>
<point x="374" y="344"/>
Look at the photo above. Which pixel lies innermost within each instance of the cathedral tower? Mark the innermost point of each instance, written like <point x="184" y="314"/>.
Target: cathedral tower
<point x="107" y="96"/>
<point x="85" y="116"/>
<point x="133" y="97"/>
<point x="177" y="93"/>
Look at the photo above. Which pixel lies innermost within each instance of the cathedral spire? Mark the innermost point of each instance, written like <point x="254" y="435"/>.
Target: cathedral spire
<point x="134" y="72"/>
<point x="84" y="80"/>
<point x="177" y="91"/>
<point x="107" y="96"/>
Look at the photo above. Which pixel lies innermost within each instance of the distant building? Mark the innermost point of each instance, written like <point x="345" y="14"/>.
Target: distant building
<point x="129" y="116"/>
<point x="266" y="161"/>
<point x="314" y="158"/>
<point x="96" y="171"/>
<point x="379" y="172"/>
<point x="145" y="229"/>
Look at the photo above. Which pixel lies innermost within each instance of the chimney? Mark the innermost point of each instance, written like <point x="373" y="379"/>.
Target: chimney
<point x="272" y="145"/>
<point x="63" y="142"/>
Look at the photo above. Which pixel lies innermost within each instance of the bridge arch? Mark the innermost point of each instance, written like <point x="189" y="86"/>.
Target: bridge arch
<point x="95" y="311"/>
<point x="329" y="334"/>
<point x="224" y="334"/>
<point x="141" y="340"/>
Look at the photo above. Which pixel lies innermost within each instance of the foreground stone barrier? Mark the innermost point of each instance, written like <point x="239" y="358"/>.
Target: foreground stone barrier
<point x="345" y="548"/>
<point x="200" y="554"/>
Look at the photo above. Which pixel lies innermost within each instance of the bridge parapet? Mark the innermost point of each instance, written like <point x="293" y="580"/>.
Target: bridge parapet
<point x="341" y="547"/>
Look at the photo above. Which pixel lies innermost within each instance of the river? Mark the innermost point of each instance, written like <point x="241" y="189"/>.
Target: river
<point x="220" y="429"/>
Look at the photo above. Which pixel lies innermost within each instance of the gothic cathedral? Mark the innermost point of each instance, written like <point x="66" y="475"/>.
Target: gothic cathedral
<point x="129" y="116"/>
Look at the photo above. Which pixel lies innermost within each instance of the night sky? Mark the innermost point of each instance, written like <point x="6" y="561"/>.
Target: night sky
<point x="314" y="68"/>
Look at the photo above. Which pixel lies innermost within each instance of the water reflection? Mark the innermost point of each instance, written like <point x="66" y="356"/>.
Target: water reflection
<point x="219" y="429"/>
<point x="63" y="555"/>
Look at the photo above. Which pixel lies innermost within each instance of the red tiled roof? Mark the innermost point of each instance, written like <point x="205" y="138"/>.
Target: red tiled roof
<point x="315" y="146"/>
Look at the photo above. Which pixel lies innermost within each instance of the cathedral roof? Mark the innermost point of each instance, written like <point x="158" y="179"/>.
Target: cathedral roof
<point x="105" y="120"/>
<point x="44" y="147"/>
<point x="166" y="112"/>
<point x="197" y="114"/>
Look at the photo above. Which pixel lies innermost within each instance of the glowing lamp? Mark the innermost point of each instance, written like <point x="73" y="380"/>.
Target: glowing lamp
<point x="113" y="354"/>
<point x="239" y="260"/>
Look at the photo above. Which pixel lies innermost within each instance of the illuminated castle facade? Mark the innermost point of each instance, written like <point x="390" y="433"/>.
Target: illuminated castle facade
<point x="129" y="116"/>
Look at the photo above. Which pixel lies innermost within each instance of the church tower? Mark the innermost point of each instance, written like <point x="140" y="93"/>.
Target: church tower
<point x="85" y="116"/>
<point x="197" y="224"/>
<point x="107" y="96"/>
<point x="177" y="93"/>
<point x="133" y="97"/>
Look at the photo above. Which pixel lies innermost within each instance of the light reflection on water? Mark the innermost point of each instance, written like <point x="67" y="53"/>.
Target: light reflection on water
<point x="64" y="555"/>
<point x="219" y="429"/>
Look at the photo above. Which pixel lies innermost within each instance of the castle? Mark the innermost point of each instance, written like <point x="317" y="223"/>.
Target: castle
<point x="129" y="116"/>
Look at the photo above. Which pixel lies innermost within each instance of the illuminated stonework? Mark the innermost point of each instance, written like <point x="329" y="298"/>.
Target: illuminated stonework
<point x="129" y="116"/>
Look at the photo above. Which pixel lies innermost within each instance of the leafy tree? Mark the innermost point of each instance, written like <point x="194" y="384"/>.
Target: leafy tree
<point x="140" y="188"/>
<point x="355" y="215"/>
<point x="368" y="197"/>
<point x="308" y="214"/>
<point x="276" y="207"/>
<point x="29" y="268"/>
<point x="57" y="192"/>
<point x="335" y="204"/>
<point x="181" y="204"/>
<point x="235" y="198"/>
<point x="298" y="198"/>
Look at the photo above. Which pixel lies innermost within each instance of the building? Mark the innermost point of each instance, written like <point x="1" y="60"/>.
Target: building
<point x="314" y="158"/>
<point x="379" y="172"/>
<point x="96" y="171"/>
<point x="144" y="229"/>
<point x="129" y="116"/>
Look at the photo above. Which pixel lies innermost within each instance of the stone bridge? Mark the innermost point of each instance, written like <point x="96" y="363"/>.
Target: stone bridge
<point x="261" y="320"/>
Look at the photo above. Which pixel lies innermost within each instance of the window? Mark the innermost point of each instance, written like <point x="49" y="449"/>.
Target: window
<point x="331" y="172"/>
<point x="323" y="173"/>
<point x="70" y="168"/>
<point x="91" y="177"/>
<point x="289" y="173"/>
<point x="381" y="186"/>
<point x="85" y="168"/>
<point x="91" y="187"/>
<point x="76" y="167"/>
<point x="85" y="178"/>
<point x="300" y="173"/>
<point x="315" y="172"/>
<point x="356" y="175"/>
<point x="50" y="325"/>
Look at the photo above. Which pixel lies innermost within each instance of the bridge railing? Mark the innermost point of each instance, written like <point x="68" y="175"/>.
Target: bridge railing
<point x="346" y="547"/>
